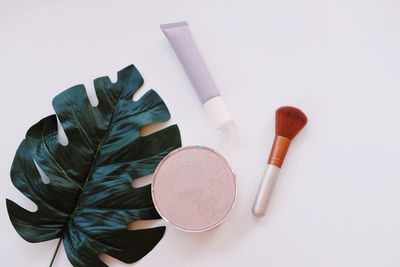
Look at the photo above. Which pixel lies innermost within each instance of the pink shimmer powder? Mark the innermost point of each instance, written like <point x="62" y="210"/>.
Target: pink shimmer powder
<point x="194" y="188"/>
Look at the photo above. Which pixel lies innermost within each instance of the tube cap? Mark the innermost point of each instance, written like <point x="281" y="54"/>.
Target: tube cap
<point x="219" y="115"/>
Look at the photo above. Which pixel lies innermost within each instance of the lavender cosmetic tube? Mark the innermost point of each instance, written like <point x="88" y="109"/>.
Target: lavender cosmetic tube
<point x="180" y="38"/>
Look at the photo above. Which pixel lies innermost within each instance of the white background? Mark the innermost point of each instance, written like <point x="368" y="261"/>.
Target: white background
<point x="337" y="201"/>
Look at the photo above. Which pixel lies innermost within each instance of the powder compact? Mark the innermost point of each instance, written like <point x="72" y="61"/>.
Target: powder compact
<point x="194" y="188"/>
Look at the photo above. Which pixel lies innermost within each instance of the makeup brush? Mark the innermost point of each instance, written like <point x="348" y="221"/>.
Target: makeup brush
<point x="288" y="123"/>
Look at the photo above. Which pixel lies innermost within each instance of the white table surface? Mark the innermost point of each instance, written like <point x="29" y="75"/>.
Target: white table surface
<point x="338" y="197"/>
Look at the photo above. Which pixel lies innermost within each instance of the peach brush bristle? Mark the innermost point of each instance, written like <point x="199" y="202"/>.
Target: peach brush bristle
<point x="289" y="121"/>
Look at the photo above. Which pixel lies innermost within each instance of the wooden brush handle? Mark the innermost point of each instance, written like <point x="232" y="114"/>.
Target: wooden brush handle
<point x="265" y="190"/>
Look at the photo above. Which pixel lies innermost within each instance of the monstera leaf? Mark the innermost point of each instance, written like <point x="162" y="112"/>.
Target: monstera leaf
<point x="90" y="200"/>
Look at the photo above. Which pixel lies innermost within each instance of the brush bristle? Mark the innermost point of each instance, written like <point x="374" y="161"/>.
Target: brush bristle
<point x="289" y="121"/>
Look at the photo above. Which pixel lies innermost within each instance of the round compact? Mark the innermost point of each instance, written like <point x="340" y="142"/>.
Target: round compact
<point x="194" y="188"/>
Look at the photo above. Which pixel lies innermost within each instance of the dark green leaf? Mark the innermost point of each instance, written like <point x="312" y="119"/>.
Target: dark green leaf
<point x="90" y="200"/>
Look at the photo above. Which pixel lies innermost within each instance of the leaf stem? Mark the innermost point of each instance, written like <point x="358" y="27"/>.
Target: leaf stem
<point x="55" y="252"/>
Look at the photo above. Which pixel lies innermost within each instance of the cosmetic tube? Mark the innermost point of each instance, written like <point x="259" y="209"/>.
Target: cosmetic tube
<point x="181" y="40"/>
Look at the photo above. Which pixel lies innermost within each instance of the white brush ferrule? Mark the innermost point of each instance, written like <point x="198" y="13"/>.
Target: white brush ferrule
<point x="265" y="190"/>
